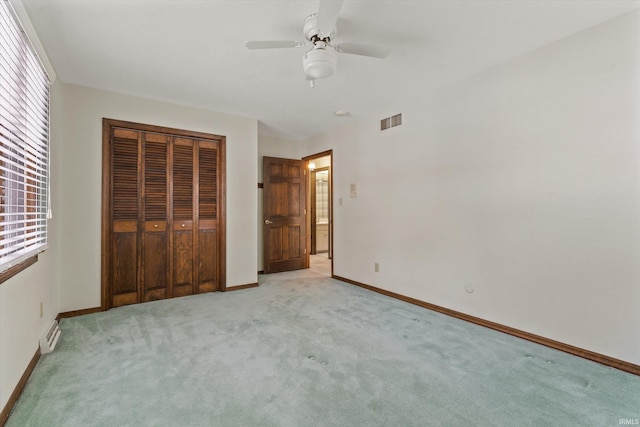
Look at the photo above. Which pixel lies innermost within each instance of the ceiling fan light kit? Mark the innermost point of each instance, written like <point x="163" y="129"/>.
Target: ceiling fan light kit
<point x="319" y="29"/>
<point x="319" y="63"/>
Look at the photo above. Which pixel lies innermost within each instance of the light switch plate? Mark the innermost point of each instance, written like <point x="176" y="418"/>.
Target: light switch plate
<point x="354" y="190"/>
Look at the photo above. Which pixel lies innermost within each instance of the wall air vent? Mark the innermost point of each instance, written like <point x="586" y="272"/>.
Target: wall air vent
<point x="390" y="122"/>
<point x="50" y="338"/>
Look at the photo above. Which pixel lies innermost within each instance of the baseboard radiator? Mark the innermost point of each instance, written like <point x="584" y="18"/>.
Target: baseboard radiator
<point x="50" y="338"/>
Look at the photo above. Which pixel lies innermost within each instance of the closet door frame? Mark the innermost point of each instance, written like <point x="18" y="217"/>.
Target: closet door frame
<point x="107" y="126"/>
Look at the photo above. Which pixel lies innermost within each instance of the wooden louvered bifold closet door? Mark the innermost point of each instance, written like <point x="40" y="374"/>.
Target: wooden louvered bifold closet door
<point x="164" y="216"/>
<point x="207" y="236"/>
<point x="125" y="200"/>
<point x="183" y="239"/>
<point x="155" y="241"/>
<point x="194" y="216"/>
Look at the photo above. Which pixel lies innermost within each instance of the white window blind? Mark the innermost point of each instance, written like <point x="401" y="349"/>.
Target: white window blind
<point x="24" y="145"/>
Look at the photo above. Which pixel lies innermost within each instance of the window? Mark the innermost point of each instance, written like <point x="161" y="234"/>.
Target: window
<point x="24" y="147"/>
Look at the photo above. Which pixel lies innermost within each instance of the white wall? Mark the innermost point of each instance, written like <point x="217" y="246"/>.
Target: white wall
<point x="79" y="203"/>
<point x="20" y="323"/>
<point x="513" y="196"/>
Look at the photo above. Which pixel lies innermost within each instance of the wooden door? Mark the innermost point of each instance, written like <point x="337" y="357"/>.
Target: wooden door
<point x="155" y="237"/>
<point x="182" y="230"/>
<point x="284" y="214"/>
<point x="206" y="248"/>
<point x="123" y="242"/>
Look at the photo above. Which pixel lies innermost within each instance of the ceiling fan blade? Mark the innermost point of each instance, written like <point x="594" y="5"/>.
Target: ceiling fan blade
<point x="328" y="16"/>
<point x="372" y="50"/>
<point x="272" y="44"/>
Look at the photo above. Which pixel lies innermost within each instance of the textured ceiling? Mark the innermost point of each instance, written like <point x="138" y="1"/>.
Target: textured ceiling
<point x="192" y="52"/>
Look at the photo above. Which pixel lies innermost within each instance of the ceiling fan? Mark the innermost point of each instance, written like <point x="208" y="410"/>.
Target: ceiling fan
<point x="319" y="29"/>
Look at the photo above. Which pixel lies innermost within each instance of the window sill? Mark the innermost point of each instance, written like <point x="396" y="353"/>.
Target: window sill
<point x="6" y="275"/>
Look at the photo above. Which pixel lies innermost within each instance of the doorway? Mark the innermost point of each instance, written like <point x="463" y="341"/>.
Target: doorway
<point x="320" y="208"/>
<point x="320" y="199"/>
<point x="290" y="218"/>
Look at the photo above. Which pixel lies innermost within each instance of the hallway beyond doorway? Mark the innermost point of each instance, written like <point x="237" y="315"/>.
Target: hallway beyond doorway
<point x="320" y="264"/>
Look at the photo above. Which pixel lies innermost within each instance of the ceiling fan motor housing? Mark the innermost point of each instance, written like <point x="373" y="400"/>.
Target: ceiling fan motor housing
<point x="319" y="63"/>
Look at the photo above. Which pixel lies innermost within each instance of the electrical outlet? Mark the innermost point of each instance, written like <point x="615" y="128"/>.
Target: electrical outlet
<point x="376" y="267"/>
<point x="41" y="309"/>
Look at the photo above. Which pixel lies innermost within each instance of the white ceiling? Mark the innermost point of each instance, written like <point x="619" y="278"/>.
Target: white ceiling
<point x="192" y="51"/>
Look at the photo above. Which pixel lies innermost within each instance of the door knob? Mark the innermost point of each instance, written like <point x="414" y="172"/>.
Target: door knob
<point x="266" y="221"/>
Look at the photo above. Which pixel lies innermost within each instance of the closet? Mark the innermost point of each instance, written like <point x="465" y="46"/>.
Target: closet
<point x="162" y="214"/>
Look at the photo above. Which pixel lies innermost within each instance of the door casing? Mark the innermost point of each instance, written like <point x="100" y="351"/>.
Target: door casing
<point x="307" y="159"/>
<point x="307" y="216"/>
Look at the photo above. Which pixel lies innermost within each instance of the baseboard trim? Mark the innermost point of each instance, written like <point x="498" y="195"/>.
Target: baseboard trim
<point x="75" y="313"/>
<point x="240" y="287"/>
<point x="4" y="415"/>
<point x="567" y="348"/>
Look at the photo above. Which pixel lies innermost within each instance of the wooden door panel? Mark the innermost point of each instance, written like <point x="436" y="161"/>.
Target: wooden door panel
<point x="275" y="244"/>
<point x="155" y="265"/>
<point x="155" y="262"/>
<point x="182" y="263"/>
<point x="285" y="199"/>
<point x="207" y="254"/>
<point x="155" y="177"/>
<point x="206" y="243"/>
<point x="124" y="268"/>
<point x="125" y="196"/>
<point x="182" y="180"/>
<point x="294" y="171"/>
<point x="274" y="193"/>
<point x="294" y="206"/>
<point x="125" y="208"/>
<point x="284" y="229"/>
<point x="293" y="249"/>
<point x="285" y="243"/>
<point x="207" y="181"/>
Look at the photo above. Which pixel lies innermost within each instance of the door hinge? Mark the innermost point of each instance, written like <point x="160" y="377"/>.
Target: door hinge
<point x="305" y="211"/>
<point x="305" y="251"/>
